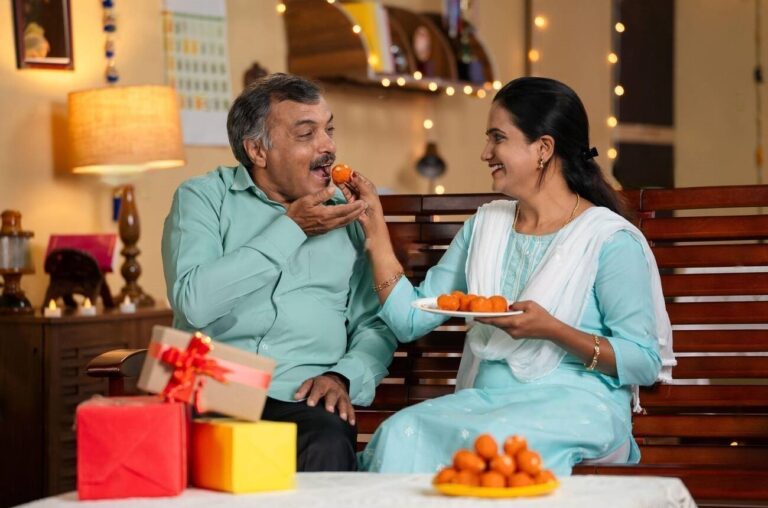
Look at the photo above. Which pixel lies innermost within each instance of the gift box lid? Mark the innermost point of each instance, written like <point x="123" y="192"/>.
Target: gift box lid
<point x="240" y="392"/>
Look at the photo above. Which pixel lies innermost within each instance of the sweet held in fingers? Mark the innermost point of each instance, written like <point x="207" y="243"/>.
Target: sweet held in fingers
<point x="341" y="173"/>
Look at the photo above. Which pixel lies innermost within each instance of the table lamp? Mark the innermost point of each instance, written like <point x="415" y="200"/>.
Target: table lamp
<point x="15" y="261"/>
<point x="125" y="130"/>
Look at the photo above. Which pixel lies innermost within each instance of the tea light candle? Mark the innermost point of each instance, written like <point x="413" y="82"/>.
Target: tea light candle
<point x="87" y="309"/>
<point x="52" y="311"/>
<point x="127" y="307"/>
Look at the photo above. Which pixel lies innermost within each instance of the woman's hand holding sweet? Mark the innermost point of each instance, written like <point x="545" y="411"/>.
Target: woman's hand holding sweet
<point x="359" y="188"/>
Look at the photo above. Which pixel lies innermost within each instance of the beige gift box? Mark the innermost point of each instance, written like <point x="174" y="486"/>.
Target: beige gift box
<point x="246" y="376"/>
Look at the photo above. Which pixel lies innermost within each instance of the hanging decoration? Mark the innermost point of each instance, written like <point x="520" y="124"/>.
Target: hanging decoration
<point x="110" y="27"/>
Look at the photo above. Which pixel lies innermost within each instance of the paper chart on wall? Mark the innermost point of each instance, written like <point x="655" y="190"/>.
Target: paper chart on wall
<point x="197" y="66"/>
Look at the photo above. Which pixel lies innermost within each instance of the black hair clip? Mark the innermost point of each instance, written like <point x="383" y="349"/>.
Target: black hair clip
<point x="589" y="154"/>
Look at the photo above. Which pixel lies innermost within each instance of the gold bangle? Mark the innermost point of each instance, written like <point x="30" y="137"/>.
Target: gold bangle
<point x="596" y="354"/>
<point x="378" y="287"/>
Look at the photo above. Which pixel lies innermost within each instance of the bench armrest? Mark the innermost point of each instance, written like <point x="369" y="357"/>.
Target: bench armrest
<point x="116" y="365"/>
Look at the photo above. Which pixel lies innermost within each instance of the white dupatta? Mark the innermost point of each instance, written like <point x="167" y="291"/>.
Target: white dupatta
<point x="561" y="284"/>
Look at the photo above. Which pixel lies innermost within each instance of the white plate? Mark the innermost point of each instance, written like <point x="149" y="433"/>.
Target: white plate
<point x="430" y="305"/>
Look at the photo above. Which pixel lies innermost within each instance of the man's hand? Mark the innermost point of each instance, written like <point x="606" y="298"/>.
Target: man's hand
<point x="330" y="388"/>
<point x="314" y="218"/>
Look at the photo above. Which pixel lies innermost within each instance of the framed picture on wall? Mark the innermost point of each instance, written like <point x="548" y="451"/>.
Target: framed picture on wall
<point x="43" y="32"/>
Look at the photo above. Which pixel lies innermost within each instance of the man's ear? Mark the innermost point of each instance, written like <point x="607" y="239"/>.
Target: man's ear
<point x="546" y="148"/>
<point x="256" y="152"/>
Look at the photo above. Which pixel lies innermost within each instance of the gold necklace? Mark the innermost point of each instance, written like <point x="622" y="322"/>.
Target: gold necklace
<point x="570" y="218"/>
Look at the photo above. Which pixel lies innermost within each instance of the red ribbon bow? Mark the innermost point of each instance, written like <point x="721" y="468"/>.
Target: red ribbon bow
<point x="188" y="368"/>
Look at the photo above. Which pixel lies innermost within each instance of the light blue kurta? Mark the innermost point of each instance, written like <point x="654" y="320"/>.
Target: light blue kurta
<point x="568" y="415"/>
<point x="239" y="269"/>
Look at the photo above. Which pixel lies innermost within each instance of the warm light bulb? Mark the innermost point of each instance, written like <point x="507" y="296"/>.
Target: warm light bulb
<point x="432" y="87"/>
<point x="373" y="60"/>
<point x="428" y="124"/>
<point x="87" y="303"/>
<point x="449" y="91"/>
<point x="385" y="82"/>
<point x="540" y="21"/>
<point x="481" y="94"/>
<point x="52" y="304"/>
<point x="401" y="81"/>
<point x="613" y="58"/>
<point x="439" y="189"/>
<point x="497" y="85"/>
<point x="331" y="1"/>
<point x="280" y="8"/>
<point x="467" y="89"/>
<point x="534" y="55"/>
<point x="612" y="153"/>
<point x="612" y="122"/>
<point x="620" y="27"/>
<point x="619" y="90"/>
<point x="417" y="75"/>
<point x="356" y="29"/>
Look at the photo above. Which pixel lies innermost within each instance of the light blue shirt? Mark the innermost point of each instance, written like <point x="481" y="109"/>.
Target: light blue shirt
<point x="238" y="269"/>
<point x="620" y="306"/>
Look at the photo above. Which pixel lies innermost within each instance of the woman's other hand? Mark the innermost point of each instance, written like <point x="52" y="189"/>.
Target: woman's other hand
<point x="534" y="322"/>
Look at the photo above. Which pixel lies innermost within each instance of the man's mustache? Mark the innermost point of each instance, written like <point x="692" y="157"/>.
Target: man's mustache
<point x="325" y="160"/>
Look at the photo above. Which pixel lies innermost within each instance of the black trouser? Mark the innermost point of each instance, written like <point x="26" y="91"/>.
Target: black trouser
<point x="325" y="441"/>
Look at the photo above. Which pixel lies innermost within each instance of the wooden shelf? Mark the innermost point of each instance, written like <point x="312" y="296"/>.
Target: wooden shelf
<point x="322" y="45"/>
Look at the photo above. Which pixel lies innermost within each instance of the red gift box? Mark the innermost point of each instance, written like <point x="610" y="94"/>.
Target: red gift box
<point x="131" y="447"/>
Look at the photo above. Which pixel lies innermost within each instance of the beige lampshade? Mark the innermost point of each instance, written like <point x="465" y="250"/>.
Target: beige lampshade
<point x="124" y="129"/>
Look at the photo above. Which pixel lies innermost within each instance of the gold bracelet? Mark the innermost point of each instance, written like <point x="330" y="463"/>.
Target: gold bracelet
<point x="596" y="354"/>
<point x="378" y="287"/>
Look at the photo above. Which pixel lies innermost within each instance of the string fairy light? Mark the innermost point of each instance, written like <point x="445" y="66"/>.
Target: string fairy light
<point x="615" y="72"/>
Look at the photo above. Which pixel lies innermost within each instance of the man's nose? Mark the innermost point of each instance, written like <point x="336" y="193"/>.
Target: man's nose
<point x="327" y="145"/>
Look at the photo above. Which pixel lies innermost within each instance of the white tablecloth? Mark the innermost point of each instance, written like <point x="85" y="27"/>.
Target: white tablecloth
<point x="350" y="490"/>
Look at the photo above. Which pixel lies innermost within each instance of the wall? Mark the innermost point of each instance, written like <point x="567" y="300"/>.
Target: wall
<point x="715" y="94"/>
<point x="380" y="133"/>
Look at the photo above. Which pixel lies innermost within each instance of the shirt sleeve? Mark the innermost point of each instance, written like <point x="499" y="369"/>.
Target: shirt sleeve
<point x="623" y="293"/>
<point x="371" y="344"/>
<point x="203" y="282"/>
<point x="446" y="276"/>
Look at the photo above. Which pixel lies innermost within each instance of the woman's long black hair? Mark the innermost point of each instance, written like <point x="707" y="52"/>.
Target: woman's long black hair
<point x="543" y="106"/>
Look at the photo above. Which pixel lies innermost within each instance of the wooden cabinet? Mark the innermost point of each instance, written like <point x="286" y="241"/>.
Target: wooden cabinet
<point x="322" y="45"/>
<point x="42" y="380"/>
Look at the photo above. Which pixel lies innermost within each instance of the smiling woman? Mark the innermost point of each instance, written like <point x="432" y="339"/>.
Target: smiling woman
<point x="560" y="373"/>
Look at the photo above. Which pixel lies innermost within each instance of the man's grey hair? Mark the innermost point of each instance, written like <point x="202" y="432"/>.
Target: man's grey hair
<point x="247" y="119"/>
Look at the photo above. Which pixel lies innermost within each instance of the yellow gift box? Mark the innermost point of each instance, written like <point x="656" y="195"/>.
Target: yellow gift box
<point x="239" y="457"/>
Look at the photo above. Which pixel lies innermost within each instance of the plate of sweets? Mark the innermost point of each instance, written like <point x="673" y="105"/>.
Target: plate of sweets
<point x="487" y="471"/>
<point x="458" y="304"/>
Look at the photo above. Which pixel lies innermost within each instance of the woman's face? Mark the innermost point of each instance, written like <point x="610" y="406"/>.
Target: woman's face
<point x="511" y="160"/>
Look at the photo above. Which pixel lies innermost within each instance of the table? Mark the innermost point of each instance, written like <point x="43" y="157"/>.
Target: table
<point x="339" y="490"/>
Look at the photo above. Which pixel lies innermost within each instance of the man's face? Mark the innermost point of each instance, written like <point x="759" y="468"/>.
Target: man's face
<point x="302" y="153"/>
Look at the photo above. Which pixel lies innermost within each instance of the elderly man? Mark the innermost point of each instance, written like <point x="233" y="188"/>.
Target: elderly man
<point x="267" y="256"/>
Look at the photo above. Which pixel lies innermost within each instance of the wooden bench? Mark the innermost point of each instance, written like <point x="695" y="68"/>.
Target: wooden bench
<point x="709" y="428"/>
<point x="714" y="436"/>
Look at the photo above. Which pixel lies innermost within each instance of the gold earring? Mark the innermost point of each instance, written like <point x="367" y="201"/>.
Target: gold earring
<point x="540" y="167"/>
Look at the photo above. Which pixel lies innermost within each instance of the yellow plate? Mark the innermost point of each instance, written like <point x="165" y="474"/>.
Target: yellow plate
<point x="452" y="489"/>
